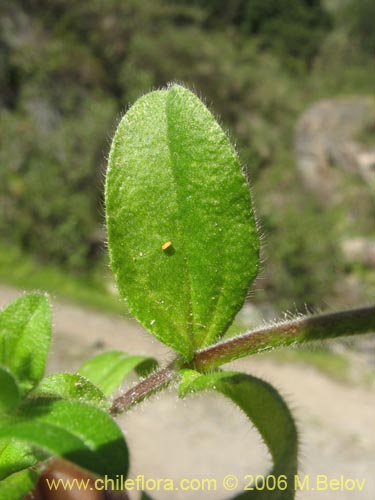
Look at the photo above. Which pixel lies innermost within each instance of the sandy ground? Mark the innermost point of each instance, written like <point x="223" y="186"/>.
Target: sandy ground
<point x="205" y="437"/>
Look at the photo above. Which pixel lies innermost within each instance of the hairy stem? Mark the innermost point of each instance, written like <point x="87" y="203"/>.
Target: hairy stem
<point x="286" y="333"/>
<point x="151" y="384"/>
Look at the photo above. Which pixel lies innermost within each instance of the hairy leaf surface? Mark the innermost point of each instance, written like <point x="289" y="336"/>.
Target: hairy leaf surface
<point x="107" y="370"/>
<point x="181" y="230"/>
<point x="18" y="485"/>
<point x="73" y="387"/>
<point x="15" y="456"/>
<point x="76" y="431"/>
<point x="9" y="391"/>
<point x="25" y="334"/>
<point x="266" y="409"/>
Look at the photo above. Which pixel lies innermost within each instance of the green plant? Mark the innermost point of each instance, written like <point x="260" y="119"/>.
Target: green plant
<point x="184" y="249"/>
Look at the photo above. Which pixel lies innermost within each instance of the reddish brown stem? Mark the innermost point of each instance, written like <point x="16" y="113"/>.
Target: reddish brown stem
<point x="286" y="333"/>
<point x="151" y="384"/>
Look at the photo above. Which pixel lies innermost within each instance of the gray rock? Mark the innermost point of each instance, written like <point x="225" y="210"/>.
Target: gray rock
<point x="360" y="250"/>
<point x="333" y="137"/>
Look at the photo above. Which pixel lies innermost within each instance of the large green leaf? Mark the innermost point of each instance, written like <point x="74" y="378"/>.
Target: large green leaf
<point x="107" y="370"/>
<point x="73" y="387"/>
<point x="9" y="391"/>
<point x="267" y="411"/>
<point x="18" y="485"/>
<point x="173" y="176"/>
<point x="76" y="431"/>
<point x="25" y="333"/>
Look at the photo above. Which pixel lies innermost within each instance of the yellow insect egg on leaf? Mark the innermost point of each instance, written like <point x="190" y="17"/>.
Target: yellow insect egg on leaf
<point x="166" y="245"/>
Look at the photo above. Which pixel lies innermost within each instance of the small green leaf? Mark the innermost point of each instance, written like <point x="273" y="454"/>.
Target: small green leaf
<point x="9" y="391"/>
<point x="15" y="456"/>
<point x="181" y="232"/>
<point x="18" y="485"/>
<point x="266" y="410"/>
<point x="25" y="333"/>
<point x="73" y="387"/>
<point x="107" y="370"/>
<point x="72" y="430"/>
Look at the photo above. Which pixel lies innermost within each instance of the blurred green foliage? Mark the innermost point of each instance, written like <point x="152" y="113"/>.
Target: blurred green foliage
<point x="358" y="17"/>
<point x="68" y="70"/>
<point x="293" y="29"/>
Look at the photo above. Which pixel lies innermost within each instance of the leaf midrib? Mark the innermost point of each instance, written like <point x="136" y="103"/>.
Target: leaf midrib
<point x="180" y="226"/>
<point x="208" y="333"/>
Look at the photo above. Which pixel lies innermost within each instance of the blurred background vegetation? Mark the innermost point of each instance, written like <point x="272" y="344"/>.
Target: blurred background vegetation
<point x="69" y="70"/>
